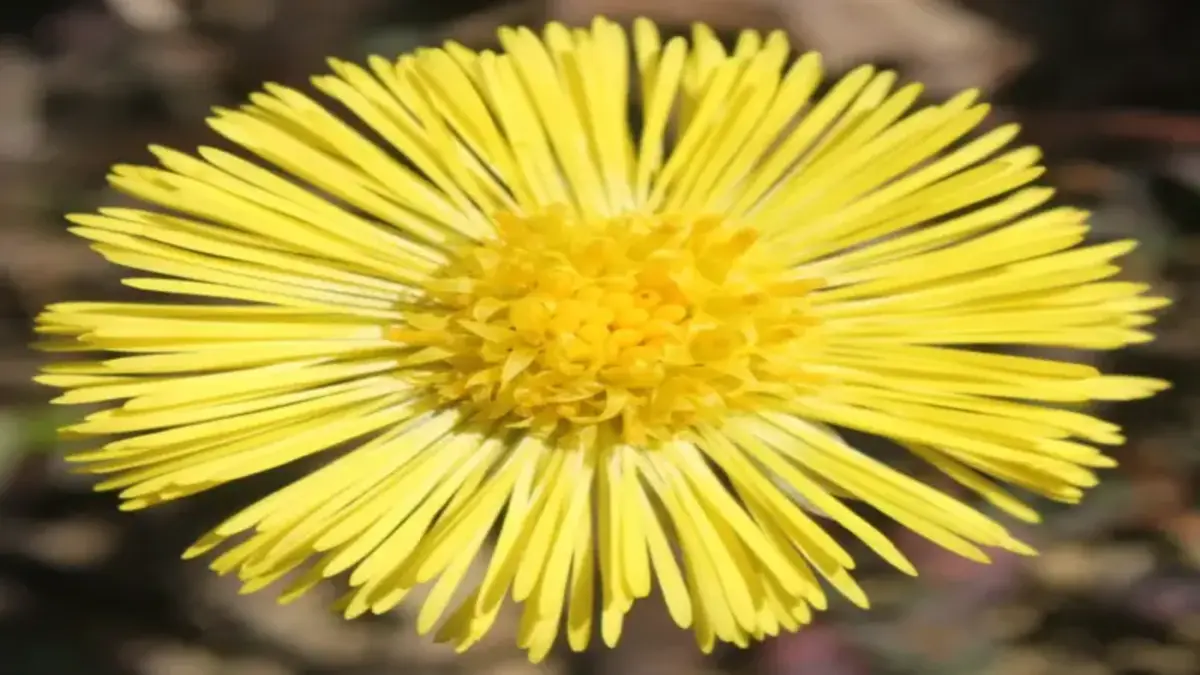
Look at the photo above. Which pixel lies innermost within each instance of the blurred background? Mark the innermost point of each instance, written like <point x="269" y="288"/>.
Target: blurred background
<point x="1109" y="88"/>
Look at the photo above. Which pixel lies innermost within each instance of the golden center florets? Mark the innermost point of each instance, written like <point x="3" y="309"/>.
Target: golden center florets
<point x="648" y="323"/>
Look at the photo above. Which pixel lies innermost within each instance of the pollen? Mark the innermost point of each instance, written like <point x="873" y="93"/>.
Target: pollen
<point x="644" y="324"/>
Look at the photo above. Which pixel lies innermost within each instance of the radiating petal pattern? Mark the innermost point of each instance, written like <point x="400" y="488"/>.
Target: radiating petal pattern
<point x="600" y="354"/>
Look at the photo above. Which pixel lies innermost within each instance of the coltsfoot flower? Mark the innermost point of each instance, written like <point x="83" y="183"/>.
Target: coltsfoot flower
<point x="565" y="346"/>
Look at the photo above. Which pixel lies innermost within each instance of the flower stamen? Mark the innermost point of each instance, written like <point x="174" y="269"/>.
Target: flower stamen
<point x="649" y="323"/>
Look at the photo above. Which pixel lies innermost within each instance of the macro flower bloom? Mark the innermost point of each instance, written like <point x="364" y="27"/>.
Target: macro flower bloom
<point x="581" y="351"/>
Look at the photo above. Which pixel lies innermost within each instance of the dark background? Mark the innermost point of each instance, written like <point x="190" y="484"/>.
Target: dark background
<point x="1110" y="88"/>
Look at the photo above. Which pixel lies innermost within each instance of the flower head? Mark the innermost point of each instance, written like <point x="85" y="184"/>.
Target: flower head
<point x="574" y="348"/>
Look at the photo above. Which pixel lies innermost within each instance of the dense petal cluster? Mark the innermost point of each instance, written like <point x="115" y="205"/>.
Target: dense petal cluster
<point x="645" y="322"/>
<point x="567" y="347"/>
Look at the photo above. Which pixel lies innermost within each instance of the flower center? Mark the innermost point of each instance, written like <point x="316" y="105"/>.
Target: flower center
<point x="649" y="324"/>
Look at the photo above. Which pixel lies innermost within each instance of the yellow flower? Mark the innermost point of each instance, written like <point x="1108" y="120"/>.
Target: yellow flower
<point x="622" y="346"/>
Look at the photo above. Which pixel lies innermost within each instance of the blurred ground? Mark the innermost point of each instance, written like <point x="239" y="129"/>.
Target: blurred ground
<point x="1110" y="88"/>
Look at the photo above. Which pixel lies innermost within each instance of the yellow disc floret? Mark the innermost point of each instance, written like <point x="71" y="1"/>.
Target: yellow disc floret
<point x="647" y="323"/>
